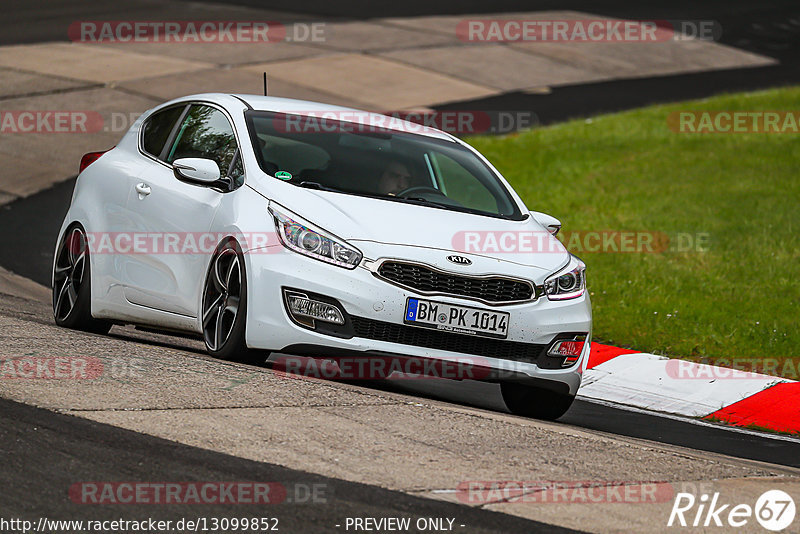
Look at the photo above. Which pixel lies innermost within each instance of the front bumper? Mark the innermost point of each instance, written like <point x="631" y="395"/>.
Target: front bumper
<point x="377" y="307"/>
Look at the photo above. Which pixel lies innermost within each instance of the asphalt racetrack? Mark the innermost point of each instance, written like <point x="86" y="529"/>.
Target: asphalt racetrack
<point x="372" y="449"/>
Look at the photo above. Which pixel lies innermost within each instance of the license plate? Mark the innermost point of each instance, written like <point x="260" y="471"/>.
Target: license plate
<point x="457" y="319"/>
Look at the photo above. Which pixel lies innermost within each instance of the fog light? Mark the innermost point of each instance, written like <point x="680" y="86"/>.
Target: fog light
<point x="569" y="349"/>
<point x="303" y="308"/>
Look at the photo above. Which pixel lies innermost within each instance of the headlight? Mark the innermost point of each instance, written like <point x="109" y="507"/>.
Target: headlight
<point x="568" y="283"/>
<point x="303" y="237"/>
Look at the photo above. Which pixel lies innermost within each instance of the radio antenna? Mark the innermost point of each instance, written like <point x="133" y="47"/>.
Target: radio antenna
<point x="265" y="84"/>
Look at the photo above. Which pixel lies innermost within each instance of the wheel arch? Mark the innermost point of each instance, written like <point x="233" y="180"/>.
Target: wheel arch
<point x="230" y="235"/>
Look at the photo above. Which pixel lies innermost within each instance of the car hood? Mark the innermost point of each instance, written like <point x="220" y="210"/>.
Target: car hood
<point x="365" y="221"/>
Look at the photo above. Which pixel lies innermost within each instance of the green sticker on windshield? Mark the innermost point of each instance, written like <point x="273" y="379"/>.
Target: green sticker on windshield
<point x="283" y="175"/>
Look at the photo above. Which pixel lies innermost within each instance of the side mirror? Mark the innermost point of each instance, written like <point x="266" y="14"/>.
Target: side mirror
<point x="196" y="170"/>
<point x="552" y="224"/>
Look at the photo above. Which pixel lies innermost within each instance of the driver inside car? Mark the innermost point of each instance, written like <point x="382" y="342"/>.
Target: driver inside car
<point x="395" y="178"/>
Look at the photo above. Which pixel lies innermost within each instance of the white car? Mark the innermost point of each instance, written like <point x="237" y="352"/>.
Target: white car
<point x="299" y="228"/>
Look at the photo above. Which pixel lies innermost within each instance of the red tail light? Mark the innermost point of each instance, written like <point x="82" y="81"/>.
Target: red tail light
<point x="90" y="158"/>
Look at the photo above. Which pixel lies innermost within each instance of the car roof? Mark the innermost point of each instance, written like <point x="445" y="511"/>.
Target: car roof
<point x="340" y="113"/>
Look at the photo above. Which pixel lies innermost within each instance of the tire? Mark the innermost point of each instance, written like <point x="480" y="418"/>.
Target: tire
<point x="224" y="309"/>
<point x="530" y="401"/>
<point x="72" y="284"/>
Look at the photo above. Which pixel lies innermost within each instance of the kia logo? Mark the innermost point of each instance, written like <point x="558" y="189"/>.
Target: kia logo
<point x="460" y="260"/>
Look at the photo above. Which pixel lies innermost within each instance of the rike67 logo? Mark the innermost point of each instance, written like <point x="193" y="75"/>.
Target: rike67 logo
<point x="774" y="510"/>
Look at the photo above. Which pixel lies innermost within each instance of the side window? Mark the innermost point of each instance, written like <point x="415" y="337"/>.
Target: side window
<point x="206" y="133"/>
<point x="461" y="185"/>
<point x="158" y="128"/>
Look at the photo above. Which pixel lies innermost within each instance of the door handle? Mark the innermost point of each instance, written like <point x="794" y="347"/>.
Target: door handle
<point x="143" y="189"/>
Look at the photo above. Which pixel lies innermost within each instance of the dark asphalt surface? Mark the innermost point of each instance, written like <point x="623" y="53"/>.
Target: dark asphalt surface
<point x="31" y="229"/>
<point x="35" y="21"/>
<point x="621" y="422"/>
<point x="666" y="430"/>
<point x="26" y="247"/>
<point x="769" y="27"/>
<point x="45" y="453"/>
<point x="586" y="100"/>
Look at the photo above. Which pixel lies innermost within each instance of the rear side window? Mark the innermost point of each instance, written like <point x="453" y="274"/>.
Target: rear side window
<point x="158" y="128"/>
<point x="205" y="133"/>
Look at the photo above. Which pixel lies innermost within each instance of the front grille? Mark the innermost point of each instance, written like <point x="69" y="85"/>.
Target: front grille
<point x="426" y="280"/>
<point x="434" y="339"/>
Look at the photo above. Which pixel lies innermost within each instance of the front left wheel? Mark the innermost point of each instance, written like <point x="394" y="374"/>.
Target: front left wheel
<point x="225" y="307"/>
<point x="531" y="401"/>
<point x="72" y="284"/>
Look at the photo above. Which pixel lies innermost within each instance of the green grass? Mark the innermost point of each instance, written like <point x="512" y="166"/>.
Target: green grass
<point x="629" y="171"/>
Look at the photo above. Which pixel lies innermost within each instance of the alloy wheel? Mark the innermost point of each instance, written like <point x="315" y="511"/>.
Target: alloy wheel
<point x="221" y="298"/>
<point x="68" y="273"/>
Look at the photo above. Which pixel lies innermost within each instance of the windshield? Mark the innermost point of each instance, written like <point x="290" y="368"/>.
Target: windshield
<point x="359" y="159"/>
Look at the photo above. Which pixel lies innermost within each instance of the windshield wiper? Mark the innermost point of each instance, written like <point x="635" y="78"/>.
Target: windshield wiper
<point x="452" y="207"/>
<point x="410" y="200"/>
<point x="428" y="201"/>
